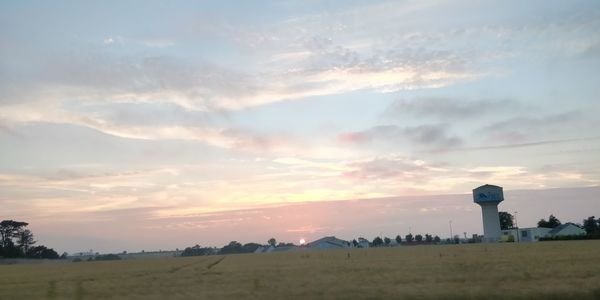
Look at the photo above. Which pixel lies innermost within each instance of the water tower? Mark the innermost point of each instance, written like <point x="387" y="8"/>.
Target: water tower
<point x="488" y="196"/>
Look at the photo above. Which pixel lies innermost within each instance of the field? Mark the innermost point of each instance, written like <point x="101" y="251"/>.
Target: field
<point x="548" y="270"/>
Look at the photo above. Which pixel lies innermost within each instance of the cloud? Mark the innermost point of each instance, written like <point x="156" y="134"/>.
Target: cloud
<point x="518" y="145"/>
<point x="135" y="127"/>
<point x="390" y="166"/>
<point x="431" y="136"/>
<point x="451" y="108"/>
<point x="108" y="41"/>
<point x="524" y="128"/>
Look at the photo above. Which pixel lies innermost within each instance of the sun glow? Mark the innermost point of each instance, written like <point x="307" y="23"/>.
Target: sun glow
<point x="302" y="242"/>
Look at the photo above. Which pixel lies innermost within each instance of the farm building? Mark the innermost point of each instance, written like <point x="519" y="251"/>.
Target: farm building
<point x="532" y="234"/>
<point x="285" y="248"/>
<point x="566" y="229"/>
<point x="328" y="242"/>
<point x="363" y="243"/>
<point x="264" y="249"/>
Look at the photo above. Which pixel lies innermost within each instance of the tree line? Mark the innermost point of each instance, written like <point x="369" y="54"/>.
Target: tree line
<point x="16" y="241"/>
<point x="235" y="247"/>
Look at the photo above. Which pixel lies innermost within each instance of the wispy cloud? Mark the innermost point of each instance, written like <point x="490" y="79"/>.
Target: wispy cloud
<point x="429" y="136"/>
<point x="524" y="128"/>
<point x="451" y="108"/>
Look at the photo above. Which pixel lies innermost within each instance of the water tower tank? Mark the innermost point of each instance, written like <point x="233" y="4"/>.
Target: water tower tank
<point x="488" y="197"/>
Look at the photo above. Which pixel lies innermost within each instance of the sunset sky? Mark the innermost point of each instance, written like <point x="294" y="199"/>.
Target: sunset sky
<point x="129" y="125"/>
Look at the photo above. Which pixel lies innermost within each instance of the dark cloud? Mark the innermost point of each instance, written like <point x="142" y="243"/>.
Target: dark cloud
<point x="519" y="145"/>
<point x="523" y="128"/>
<point x="450" y="108"/>
<point x="432" y="136"/>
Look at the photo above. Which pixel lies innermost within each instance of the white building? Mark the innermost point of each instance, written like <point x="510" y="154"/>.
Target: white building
<point x="532" y="234"/>
<point x="264" y="249"/>
<point x="328" y="242"/>
<point x="363" y="243"/>
<point x="566" y="229"/>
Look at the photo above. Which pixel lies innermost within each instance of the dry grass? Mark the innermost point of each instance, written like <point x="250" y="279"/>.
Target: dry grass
<point x="550" y="270"/>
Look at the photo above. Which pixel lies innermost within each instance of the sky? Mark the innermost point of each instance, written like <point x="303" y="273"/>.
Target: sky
<point x="129" y="125"/>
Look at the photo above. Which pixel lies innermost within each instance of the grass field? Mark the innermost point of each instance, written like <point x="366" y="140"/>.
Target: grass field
<point x="547" y="270"/>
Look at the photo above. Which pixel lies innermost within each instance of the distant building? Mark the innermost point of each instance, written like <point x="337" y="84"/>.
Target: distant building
<point x="285" y="248"/>
<point x="532" y="234"/>
<point x="566" y="229"/>
<point x="264" y="249"/>
<point x="363" y="243"/>
<point x="328" y="242"/>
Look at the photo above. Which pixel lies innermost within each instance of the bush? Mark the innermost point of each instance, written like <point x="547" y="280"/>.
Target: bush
<point x="571" y="237"/>
<point x="196" y="251"/>
<point x="107" y="257"/>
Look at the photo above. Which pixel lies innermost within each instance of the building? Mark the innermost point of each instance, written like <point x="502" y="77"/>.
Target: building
<point x="532" y="234"/>
<point x="566" y="229"/>
<point x="363" y="243"/>
<point x="328" y="242"/>
<point x="264" y="249"/>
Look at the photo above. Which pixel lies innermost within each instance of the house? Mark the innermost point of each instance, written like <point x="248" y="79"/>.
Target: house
<point x="264" y="249"/>
<point x="532" y="234"/>
<point x="363" y="243"/>
<point x="566" y="229"/>
<point x="328" y="242"/>
<point x="284" y="248"/>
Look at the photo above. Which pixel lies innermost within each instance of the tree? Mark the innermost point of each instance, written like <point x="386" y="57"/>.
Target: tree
<point x="25" y="240"/>
<point x="272" y="242"/>
<point x="354" y="243"/>
<point x="428" y="238"/>
<point x="398" y="239"/>
<point x="107" y="257"/>
<point x="10" y="229"/>
<point x="196" y="251"/>
<point x="552" y="222"/>
<point x="591" y="225"/>
<point x="437" y="239"/>
<point x="232" y="247"/>
<point x="42" y="252"/>
<point x="409" y="237"/>
<point x="506" y="220"/>
<point x="418" y="238"/>
<point x="10" y="250"/>
<point x="377" y="242"/>
<point x="387" y="241"/>
<point x="250" y="247"/>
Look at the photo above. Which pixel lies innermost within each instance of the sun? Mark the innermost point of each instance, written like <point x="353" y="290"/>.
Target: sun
<point x="302" y="242"/>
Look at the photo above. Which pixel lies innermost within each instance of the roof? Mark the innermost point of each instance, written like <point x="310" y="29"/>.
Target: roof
<point x="488" y="186"/>
<point x="330" y="240"/>
<point x="559" y="228"/>
<point x="283" y="248"/>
